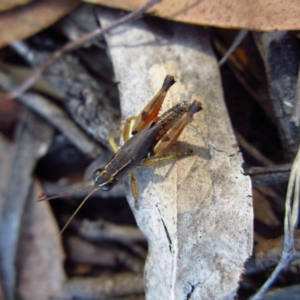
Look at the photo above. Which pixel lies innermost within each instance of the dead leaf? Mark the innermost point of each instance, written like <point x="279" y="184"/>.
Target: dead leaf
<point x="196" y="212"/>
<point x="24" y="21"/>
<point x="33" y="136"/>
<point x="263" y="15"/>
<point x="8" y="4"/>
<point x="41" y="255"/>
<point x="263" y="210"/>
<point x="280" y="54"/>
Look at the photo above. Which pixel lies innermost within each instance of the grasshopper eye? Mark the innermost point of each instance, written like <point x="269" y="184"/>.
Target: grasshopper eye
<point x="103" y="180"/>
<point x="96" y="176"/>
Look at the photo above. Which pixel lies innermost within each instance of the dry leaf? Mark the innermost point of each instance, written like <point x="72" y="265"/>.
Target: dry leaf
<point x="8" y="4"/>
<point x="40" y="256"/>
<point x="24" y="21"/>
<point x="263" y="15"/>
<point x="263" y="210"/>
<point x="195" y="212"/>
<point x="32" y="139"/>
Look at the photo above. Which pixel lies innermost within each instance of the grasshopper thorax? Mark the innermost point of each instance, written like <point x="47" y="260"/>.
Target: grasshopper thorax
<point x="103" y="180"/>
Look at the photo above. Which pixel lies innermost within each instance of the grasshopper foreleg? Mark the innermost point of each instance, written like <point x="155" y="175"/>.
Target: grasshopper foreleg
<point x="127" y="126"/>
<point x="112" y="143"/>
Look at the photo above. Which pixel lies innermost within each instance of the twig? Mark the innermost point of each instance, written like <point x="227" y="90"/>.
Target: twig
<point x="101" y="230"/>
<point x="269" y="179"/>
<point x="289" y="252"/>
<point x="75" y="44"/>
<point x="101" y="287"/>
<point x="238" y="39"/>
<point x="268" y="169"/>
<point x="269" y="175"/>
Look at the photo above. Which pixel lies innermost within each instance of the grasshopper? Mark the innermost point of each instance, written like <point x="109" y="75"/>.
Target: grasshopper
<point x="152" y="136"/>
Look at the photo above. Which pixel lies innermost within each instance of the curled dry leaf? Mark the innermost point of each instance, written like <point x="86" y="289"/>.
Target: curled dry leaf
<point x="263" y="15"/>
<point x="195" y="212"/>
<point x="24" y="21"/>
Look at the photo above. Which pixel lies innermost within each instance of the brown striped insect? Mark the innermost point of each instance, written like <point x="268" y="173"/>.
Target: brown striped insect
<point x="151" y="137"/>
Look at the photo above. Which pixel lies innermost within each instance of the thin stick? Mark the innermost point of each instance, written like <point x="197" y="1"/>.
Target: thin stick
<point x="78" y="208"/>
<point x="268" y="169"/>
<point x="238" y="39"/>
<point x="75" y="44"/>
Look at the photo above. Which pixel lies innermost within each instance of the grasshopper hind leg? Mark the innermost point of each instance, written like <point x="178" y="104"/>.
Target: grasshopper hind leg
<point x="170" y="137"/>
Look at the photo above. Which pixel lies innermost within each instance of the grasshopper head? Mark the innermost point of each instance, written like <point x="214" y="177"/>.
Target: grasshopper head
<point x="103" y="180"/>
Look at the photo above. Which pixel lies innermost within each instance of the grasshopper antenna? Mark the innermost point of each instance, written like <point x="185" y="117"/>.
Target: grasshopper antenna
<point x="78" y="208"/>
<point x="42" y="197"/>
